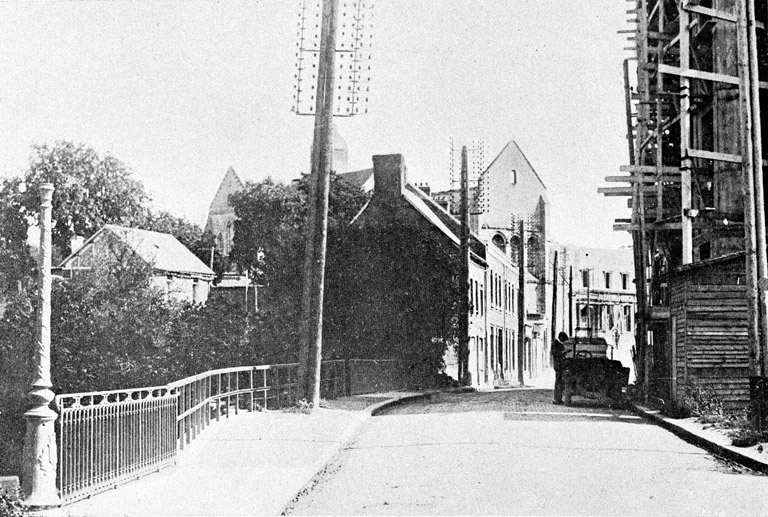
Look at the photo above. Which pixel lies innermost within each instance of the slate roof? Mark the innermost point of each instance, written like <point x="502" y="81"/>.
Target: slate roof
<point x="162" y="250"/>
<point x="357" y="178"/>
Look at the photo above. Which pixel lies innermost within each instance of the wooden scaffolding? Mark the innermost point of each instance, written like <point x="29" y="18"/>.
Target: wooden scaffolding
<point x="695" y="174"/>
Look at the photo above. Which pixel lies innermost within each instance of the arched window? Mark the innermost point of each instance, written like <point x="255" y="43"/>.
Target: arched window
<point x="513" y="177"/>
<point x="514" y="248"/>
<point x="534" y="258"/>
<point x="500" y="242"/>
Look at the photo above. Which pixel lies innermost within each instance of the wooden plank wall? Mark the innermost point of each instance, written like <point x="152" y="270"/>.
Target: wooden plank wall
<point x="712" y="349"/>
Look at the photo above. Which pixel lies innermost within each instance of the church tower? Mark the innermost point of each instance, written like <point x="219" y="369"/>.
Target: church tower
<point x="221" y="216"/>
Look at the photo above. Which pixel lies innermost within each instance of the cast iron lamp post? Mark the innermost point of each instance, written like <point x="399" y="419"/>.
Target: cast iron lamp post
<point x="38" y="481"/>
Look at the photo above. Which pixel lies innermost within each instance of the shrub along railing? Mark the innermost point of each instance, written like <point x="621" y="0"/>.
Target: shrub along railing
<point x="107" y="438"/>
<point x="369" y="375"/>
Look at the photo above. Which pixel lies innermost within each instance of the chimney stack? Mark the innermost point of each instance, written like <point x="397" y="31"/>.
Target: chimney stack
<point x="389" y="175"/>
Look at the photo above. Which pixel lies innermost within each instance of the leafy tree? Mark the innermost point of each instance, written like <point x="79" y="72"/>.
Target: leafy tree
<point x="16" y="263"/>
<point x="91" y="191"/>
<point x="392" y="293"/>
<point x="269" y="232"/>
<point x="188" y="233"/>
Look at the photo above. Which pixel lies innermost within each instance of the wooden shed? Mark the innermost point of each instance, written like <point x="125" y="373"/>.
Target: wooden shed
<point x="708" y="319"/>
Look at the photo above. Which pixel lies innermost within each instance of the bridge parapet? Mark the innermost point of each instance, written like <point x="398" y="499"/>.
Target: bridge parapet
<point x="107" y="438"/>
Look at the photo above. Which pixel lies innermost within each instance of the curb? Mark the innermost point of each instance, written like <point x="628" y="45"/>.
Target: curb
<point x="727" y="452"/>
<point x="351" y="434"/>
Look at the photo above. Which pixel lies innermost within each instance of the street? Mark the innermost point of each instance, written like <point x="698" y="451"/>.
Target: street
<point x="514" y="452"/>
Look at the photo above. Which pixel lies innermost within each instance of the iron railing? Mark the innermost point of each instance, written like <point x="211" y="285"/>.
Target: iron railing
<point x="110" y="437"/>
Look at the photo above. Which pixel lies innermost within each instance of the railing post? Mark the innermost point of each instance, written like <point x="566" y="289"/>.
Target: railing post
<point x="40" y="454"/>
<point x="347" y="378"/>
<point x="266" y="395"/>
<point x="250" y="374"/>
<point x="218" y="398"/>
<point x="278" y="389"/>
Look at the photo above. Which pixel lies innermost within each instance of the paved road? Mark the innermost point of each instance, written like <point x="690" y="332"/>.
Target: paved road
<point x="515" y="453"/>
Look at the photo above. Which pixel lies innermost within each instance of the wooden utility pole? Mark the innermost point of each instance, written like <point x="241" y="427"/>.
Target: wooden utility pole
<point x="759" y="193"/>
<point x="317" y="218"/>
<point x="750" y="235"/>
<point x="521" y="306"/>
<point x="464" y="377"/>
<point x="554" y="299"/>
<point x="570" y="302"/>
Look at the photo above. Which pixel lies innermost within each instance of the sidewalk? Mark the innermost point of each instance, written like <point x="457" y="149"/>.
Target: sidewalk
<point x="254" y="464"/>
<point x="709" y="438"/>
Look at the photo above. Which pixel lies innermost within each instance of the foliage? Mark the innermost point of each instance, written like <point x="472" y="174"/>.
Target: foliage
<point x="91" y="191"/>
<point x="392" y="293"/>
<point x="743" y="429"/>
<point x="16" y="263"/>
<point x="699" y="401"/>
<point x="110" y="327"/>
<point x="702" y="401"/>
<point x="186" y="232"/>
<point x="11" y="505"/>
<point x="269" y="233"/>
<point x="217" y="335"/>
<point x="269" y="244"/>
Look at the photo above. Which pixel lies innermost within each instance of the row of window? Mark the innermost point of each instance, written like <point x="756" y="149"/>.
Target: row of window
<point x="606" y="317"/>
<point x="607" y="280"/>
<point x="501" y="295"/>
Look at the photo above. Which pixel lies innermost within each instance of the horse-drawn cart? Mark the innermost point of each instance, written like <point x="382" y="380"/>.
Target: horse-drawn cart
<point x="589" y="373"/>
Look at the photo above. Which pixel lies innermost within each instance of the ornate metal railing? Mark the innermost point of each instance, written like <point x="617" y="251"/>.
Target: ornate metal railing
<point x="110" y="437"/>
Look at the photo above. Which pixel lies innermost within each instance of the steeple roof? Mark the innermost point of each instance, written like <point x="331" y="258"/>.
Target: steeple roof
<point x="229" y="185"/>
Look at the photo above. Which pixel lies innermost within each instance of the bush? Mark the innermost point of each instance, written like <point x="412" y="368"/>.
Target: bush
<point x="10" y="504"/>
<point x="702" y="402"/>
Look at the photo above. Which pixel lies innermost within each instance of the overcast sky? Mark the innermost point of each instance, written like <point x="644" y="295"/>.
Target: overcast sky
<point x="180" y="90"/>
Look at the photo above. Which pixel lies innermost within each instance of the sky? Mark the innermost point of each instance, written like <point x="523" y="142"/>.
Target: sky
<point x="180" y="90"/>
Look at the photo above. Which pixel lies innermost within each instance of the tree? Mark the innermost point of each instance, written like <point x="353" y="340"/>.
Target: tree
<point x="188" y="233"/>
<point x="16" y="262"/>
<point x="392" y="293"/>
<point x="269" y="231"/>
<point x="91" y="191"/>
<point x="269" y="244"/>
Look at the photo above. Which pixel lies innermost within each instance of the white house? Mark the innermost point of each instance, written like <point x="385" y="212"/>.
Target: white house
<point x="176" y="270"/>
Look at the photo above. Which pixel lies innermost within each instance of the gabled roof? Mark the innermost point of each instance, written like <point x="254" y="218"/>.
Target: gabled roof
<point x="446" y="219"/>
<point x="230" y="184"/>
<point x="357" y="178"/>
<point x="512" y="145"/>
<point x="161" y="250"/>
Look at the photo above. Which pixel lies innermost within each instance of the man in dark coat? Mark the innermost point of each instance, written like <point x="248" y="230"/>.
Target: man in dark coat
<point x="558" y="354"/>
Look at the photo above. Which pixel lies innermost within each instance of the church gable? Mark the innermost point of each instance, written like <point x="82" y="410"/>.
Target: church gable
<point x="229" y="185"/>
<point x="221" y="216"/>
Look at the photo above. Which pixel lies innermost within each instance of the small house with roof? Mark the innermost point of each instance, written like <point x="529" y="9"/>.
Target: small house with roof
<point x="176" y="270"/>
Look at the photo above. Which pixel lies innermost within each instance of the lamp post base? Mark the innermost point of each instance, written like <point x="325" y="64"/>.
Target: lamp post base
<point x="38" y="480"/>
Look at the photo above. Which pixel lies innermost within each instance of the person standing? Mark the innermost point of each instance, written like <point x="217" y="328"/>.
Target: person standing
<point x="558" y="354"/>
